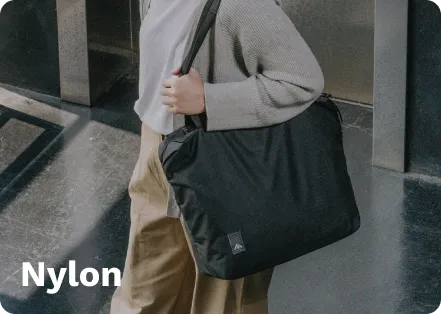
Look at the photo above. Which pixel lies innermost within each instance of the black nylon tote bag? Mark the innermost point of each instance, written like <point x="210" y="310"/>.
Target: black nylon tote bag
<point x="252" y="199"/>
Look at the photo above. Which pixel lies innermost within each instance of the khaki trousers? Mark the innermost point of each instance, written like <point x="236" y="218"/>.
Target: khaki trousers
<point x="160" y="275"/>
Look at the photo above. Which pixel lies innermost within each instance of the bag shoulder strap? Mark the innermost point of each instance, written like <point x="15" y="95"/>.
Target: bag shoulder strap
<point x="207" y="19"/>
<point x="208" y="16"/>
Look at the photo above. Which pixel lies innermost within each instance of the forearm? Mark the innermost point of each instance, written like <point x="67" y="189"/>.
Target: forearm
<point x="283" y="72"/>
<point x="256" y="102"/>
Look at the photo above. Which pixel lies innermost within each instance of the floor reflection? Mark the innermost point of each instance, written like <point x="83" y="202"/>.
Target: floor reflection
<point x="70" y="202"/>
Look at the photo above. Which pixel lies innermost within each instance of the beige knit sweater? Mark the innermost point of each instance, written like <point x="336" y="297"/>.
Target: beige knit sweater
<point x="257" y="68"/>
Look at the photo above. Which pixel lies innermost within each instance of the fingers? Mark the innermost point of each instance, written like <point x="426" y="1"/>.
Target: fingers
<point x="169" y="101"/>
<point x="177" y="71"/>
<point x="168" y="92"/>
<point x="173" y="109"/>
<point x="169" y="82"/>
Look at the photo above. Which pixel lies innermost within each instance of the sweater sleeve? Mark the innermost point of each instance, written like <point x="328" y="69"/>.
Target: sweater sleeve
<point x="282" y="71"/>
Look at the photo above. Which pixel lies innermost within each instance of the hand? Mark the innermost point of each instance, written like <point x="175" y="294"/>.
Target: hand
<point x="184" y="94"/>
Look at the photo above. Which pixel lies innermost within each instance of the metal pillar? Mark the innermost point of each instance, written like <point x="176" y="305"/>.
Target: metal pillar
<point x="96" y="46"/>
<point x="390" y="78"/>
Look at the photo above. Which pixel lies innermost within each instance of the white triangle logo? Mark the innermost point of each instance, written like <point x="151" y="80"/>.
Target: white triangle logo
<point x="236" y="243"/>
<point x="438" y="311"/>
<point x="2" y="310"/>
<point x="238" y="247"/>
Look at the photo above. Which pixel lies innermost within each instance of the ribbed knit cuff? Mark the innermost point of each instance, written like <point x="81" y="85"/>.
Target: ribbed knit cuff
<point x="232" y="105"/>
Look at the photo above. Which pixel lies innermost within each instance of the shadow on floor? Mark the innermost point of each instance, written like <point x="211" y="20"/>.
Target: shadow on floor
<point x="390" y="266"/>
<point x="104" y="247"/>
<point x="114" y="108"/>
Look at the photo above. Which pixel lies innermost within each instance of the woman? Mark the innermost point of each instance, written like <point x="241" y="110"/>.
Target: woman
<point x="254" y="69"/>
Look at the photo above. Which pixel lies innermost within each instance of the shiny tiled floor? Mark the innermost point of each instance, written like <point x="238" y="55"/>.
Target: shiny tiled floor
<point x="65" y="199"/>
